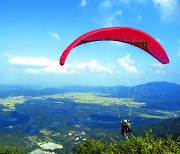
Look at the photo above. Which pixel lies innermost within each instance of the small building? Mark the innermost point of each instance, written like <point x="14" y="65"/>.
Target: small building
<point x="50" y="146"/>
<point x="37" y="151"/>
<point x="78" y="133"/>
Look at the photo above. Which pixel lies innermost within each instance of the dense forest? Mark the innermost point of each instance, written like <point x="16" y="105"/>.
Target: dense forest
<point x="160" y="137"/>
<point x="136" y="145"/>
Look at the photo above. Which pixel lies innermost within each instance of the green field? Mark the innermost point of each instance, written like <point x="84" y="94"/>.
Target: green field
<point x="150" y="116"/>
<point x="89" y="98"/>
<point x="12" y="101"/>
<point x="92" y="98"/>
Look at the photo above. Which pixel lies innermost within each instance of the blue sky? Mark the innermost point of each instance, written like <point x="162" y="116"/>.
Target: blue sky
<point x="34" y="33"/>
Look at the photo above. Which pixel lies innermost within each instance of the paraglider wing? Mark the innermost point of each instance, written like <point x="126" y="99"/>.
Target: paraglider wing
<point x="128" y="35"/>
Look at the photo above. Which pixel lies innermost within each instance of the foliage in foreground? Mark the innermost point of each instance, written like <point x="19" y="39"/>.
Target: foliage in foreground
<point x="136" y="145"/>
<point x="10" y="150"/>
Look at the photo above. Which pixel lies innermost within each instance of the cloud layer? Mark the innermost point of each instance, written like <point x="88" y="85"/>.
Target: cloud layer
<point x="128" y="64"/>
<point x="42" y="64"/>
<point x="159" y="68"/>
<point x="169" y="9"/>
<point x="54" y="36"/>
<point x="83" y="3"/>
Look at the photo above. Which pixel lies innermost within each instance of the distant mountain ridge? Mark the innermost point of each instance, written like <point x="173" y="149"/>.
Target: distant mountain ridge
<point x="158" y="95"/>
<point x="9" y="87"/>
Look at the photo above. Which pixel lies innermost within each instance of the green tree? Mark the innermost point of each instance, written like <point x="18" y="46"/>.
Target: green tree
<point x="147" y="144"/>
<point x="91" y="147"/>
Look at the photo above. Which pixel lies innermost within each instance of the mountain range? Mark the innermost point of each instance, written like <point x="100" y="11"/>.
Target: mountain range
<point x="156" y="95"/>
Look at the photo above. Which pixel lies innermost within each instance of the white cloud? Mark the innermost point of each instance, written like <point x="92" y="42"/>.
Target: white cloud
<point x="109" y="16"/>
<point x="109" y="3"/>
<point x="128" y="64"/>
<point x="113" y="18"/>
<point x="37" y="65"/>
<point x="42" y="64"/>
<point x="106" y="4"/>
<point x="32" y="70"/>
<point x="8" y="55"/>
<point x="119" y="12"/>
<point x="83" y="3"/>
<point x="157" y="65"/>
<point x="48" y="69"/>
<point x="54" y="36"/>
<point x="160" y="72"/>
<point x="91" y="66"/>
<point x="169" y="9"/>
<point x="139" y="17"/>
<point x="159" y="68"/>
<point x="30" y="61"/>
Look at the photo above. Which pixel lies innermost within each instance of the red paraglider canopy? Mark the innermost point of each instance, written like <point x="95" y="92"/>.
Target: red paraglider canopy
<point x="128" y="35"/>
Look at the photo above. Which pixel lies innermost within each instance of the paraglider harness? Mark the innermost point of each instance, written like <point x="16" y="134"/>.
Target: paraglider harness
<point x="126" y="127"/>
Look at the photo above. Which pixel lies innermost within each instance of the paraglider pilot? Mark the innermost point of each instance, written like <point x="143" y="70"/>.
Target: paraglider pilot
<point x="125" y="127"/>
